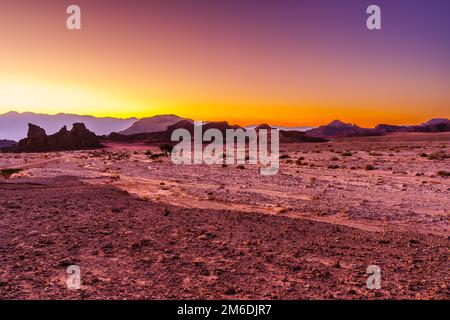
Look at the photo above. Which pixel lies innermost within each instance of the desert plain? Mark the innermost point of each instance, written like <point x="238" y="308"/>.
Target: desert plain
<point x="141" y="227"/>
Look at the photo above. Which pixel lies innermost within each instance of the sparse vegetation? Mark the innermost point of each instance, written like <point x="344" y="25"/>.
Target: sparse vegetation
<point x="347" y="154"/>
<point x="369" y="167"/>
<point x="423" y="155"/>
<point x="284" y="156"/>
<point x="156" y="156"/>
<point x="7" y="173"/>
<point x="166" y="149"/>
<point x="334" y="159"/>
<point x="375" y="154"/>
<point x="438" y="155"/>
<point x="443" y="173"/>
<point x="120" y="156"/>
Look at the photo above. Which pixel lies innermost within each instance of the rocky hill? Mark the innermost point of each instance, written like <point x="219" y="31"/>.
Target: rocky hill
<point x="152" y="124"/>
<point x="340" y="129"/>
<point x="79" y="138"/>
<point x="7" y="143"/>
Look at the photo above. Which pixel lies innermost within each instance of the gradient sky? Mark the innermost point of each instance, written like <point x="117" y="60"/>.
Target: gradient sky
<point x="299" y="62"/>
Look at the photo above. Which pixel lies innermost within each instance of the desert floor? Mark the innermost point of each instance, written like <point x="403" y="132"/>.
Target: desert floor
<point x="142" y="228"/>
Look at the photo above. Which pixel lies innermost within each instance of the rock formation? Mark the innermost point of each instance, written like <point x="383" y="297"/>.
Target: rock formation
<point x="37" y="140"/>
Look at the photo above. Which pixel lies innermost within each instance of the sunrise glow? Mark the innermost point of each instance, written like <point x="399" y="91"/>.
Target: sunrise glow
<point x="245" y="62"/>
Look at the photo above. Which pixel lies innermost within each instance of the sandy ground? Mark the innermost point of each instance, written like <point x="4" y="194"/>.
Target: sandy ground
<point x="308" y="232"/>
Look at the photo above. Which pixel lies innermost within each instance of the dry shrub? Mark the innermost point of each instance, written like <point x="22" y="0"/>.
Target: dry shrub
<point x="438" y="155"/>
<point x="7" y="173"/>
<point x="347" y="154"/>
<point x="443" y="173"/>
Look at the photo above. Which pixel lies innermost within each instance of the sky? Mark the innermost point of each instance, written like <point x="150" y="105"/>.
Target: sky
<point x="285" y="62"/>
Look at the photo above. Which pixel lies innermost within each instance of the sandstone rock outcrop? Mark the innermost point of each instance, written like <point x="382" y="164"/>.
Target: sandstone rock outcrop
<point x="37" y="140"/>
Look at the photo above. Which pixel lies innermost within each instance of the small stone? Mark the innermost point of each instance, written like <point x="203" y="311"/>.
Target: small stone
<point x="65" y="262"/>
<point x="230" y="291"/>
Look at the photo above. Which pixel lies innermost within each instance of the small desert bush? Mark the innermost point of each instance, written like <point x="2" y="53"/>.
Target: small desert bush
<point x="438" y="155"/>
<point x="284" y="156"/>
<point x="156" y="156"/>
<point x="369" y="167"/>
<point x="241" y="167"/>
<point x="7" y="173"/>
<point x="443" y="173"/>
<point x="347" y="154"/>
<point x="166" y="149"/>
<point x="334" y="159"/>
<point x="122" y="156"/>
<point x="375" y="154"/>
<point x="115" y="177"/>
<point x="423" y="155"/>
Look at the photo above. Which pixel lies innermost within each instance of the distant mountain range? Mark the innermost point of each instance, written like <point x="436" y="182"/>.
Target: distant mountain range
<point x="285" y="128"/>
<point x="7" y="143"/>
<point x="338" y="128"/>
<point x="165" y="136"/>
<point x="14" y="125"/>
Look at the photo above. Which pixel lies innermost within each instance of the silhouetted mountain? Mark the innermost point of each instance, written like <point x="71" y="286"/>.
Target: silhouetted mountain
<point x="79" y="138"/>
<point x="152" y="124"/>
<point x="13" y="125"/>
<point x="165" y="136"/>
<point x="292" y="136"/>
<point x="7" y="143"/>
<point x="338" y="128"/>
<point x="387" y="128"/>
<point x="285" y="128"/>
<point x="436" y="121"/>
<point x="433" y="125"/>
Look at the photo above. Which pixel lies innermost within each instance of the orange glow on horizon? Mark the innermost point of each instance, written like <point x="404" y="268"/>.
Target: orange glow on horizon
<point x="242" y="70"/>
